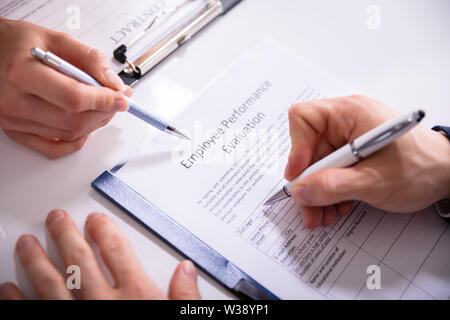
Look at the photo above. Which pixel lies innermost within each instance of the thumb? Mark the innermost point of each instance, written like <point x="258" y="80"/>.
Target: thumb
<point x="183" y="285"/>
<point x="299" y="158"/>
<point x="332" y="186"/>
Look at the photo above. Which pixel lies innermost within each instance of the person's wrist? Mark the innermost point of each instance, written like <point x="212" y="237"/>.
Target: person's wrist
<point x="447" y="171"/>
<point x="436" y="165"/>
<point x="446" y="167"/>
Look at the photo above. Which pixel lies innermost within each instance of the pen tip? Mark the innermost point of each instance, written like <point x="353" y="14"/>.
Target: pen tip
<point x="180" y="134"/>
<point x="280" y="195"/>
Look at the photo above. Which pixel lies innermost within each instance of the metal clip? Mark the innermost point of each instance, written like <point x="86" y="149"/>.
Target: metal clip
<point x="385" y="135"/>
<point x="136" y="69"/>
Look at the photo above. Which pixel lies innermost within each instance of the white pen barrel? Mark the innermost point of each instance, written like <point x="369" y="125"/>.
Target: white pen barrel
<point x="341" y="158"/>
<point x="379" y="137"/>
<point x="362" y="147"/>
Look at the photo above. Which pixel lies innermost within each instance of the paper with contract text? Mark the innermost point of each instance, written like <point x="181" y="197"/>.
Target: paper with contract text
<point x="105" y="25"/>
<point x="215" y="187"/>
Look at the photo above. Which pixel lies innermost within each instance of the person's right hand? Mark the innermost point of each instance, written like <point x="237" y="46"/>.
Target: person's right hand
<point x="44" y="109"/>
<point x="408" y="175"/>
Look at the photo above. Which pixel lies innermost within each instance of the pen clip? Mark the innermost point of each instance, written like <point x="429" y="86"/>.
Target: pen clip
<point x="386" y="134"/>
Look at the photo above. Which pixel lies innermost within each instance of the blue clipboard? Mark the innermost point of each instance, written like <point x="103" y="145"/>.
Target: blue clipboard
<point x="180" y="239"/>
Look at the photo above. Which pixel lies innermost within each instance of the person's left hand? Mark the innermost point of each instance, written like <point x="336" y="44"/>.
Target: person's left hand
<point x="115" y="250"/>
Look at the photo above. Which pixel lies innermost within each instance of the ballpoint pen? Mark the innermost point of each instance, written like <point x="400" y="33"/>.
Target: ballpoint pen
<point x="355" y="151"/>
<point x="68" y="69"/>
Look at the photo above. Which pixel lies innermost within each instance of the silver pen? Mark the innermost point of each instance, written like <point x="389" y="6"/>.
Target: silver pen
<point x="355" y="151"/>
<point x="70" y="70"/>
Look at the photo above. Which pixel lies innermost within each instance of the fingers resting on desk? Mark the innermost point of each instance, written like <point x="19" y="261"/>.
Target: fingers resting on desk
<point x="129" y="277"/>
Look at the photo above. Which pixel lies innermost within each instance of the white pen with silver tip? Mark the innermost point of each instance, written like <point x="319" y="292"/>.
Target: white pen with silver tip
<point x="353" y="152"/>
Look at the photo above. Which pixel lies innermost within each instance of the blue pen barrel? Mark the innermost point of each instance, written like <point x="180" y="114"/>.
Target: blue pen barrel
<point x="152" y="119"/>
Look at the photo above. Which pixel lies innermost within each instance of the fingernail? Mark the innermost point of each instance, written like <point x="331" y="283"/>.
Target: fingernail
<point x="128" y="91"/>
<point x="120" y="104"/>
<point x="115" y="80"/>
<point x="54" y="216"/>
<point x="189" y="269"/>
<point x="25" y="242"/>
<point x="300" y="194"/>
<point x="93" y="216"/>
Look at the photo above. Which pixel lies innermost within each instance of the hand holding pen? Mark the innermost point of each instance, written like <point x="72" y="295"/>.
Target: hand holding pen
<point x="134" y="108"/>
<point x="405" y="176"/>
<point x="43" y="109"/>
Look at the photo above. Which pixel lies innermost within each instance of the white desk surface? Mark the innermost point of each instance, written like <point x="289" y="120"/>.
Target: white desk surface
<point x="405" y="64"/>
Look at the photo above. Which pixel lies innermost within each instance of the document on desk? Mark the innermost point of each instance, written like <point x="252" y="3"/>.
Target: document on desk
<point x="216" y="185"/>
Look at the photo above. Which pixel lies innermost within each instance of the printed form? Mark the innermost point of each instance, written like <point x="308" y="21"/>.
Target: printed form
<point x="215" y="187"/>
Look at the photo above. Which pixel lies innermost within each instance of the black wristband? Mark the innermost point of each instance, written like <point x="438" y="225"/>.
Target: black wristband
<point x="443" y="206"/>
<point x="443" y="129"/>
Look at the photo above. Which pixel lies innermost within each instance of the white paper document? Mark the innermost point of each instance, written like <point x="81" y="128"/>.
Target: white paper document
<point x="215" y="187"/>
<point x="105" y="24"/>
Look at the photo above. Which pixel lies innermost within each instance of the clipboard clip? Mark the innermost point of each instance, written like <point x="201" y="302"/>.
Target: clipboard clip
<point x="134" y="70"/>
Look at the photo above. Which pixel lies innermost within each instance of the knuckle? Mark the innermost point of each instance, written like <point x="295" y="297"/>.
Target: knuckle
<point x="105" y="99"/>
<point x="95" y="226"/>
<point x="356" y="101"/>
<point x="325" y="186"/>
<point x="70" y="135"/>
<point x="351" y="105"/>
<point x="299" y="110"/>
<point x="63" y="37"/>
<point x="76" y="125"/>
<point x="78" y="254"/>
<point x="358" y="97"/>
<point x="136" y="287"/>
<point x="101" y="100"/>
<point x="76" y="98"/>
<point x="113" y="245"/>
<point x="14" y="73"/>
<point x="96" y="55"/>
<point x="48" y="284"/>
